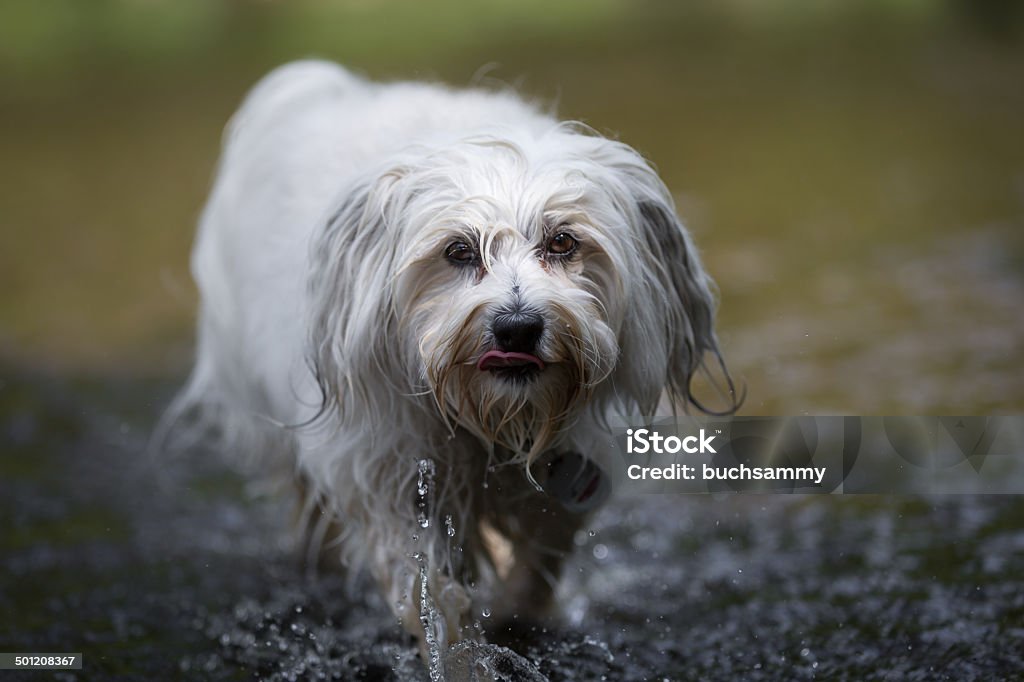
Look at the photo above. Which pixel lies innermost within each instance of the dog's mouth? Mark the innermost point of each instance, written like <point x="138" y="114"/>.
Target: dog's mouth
<point x="510" y="365"/>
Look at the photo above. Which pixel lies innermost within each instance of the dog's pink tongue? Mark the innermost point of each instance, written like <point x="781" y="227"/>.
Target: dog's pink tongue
<point x="494" y="359"/>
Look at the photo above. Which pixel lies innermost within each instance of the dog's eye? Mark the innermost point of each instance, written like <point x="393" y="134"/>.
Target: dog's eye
<point x="562" y="244"/>
<point x="460" y="253"/>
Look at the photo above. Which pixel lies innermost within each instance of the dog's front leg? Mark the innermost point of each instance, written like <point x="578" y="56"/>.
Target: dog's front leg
<point x="430" y="605"/>
<point x="544" y="540"/>
<point x="540" y="530"/>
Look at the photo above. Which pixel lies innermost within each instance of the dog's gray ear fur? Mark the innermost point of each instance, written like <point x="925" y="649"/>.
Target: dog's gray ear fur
<point x="675" y="333"/>
<point x="352" y="318"/>
<point x="689" y="313"/>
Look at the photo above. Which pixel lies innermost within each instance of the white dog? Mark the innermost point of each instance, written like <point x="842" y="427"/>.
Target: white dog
<point x="418" y="300"/>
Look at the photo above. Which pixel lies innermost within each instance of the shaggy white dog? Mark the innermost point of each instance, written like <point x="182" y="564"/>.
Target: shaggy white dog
<point x="420" y="301"/>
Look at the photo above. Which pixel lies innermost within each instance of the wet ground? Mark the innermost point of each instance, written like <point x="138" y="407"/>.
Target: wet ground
<point x="176" y="568"/>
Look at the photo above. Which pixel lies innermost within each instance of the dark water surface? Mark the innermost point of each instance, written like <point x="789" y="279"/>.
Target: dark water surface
<point x="153" y="571"/>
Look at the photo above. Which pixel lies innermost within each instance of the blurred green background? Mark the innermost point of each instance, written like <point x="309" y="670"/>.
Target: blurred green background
<point x="853" y="172"/>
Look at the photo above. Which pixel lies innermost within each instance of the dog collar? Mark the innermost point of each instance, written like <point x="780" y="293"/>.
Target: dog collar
<point x="576" y="482"/>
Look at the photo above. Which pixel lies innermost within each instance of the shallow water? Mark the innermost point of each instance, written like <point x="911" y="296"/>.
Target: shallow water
<point x="148" y="568"/>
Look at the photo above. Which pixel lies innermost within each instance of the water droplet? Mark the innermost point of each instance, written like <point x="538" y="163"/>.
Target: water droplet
<point x="486" y="613"/>
<point x="592" y="533"/>
<point x="424" y="488"/>
<point x="426" y="469"/>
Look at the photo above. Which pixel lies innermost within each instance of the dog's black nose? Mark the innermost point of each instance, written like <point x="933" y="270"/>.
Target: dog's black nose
<point x="517" y="332"/>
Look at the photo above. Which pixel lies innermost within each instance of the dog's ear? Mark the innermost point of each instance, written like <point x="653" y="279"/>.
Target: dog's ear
<point x="689" y="310"/>
<point x="666" y="340"/>
<point x="352" y="340"/>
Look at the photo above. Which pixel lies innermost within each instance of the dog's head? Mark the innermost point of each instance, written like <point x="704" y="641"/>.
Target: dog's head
<point x="515" y="280"/>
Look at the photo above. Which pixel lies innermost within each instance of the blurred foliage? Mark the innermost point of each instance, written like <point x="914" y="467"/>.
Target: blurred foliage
<point x="47" y="38"/>
<point x="853" y="172"/>
<point x="57" y="36"/>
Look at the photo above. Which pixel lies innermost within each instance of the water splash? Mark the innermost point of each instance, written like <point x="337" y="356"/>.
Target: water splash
<point x="476" y="662"/>
<point x="465" y="661"/>
<point x="424" y="491"/>
<point x="430" y="620"/>
<point x="603" y="646"/>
